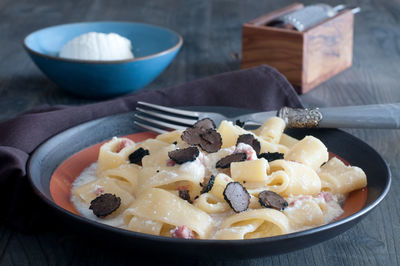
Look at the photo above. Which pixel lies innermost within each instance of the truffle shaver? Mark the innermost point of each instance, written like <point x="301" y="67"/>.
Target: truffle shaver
<point x="311" y="15"/>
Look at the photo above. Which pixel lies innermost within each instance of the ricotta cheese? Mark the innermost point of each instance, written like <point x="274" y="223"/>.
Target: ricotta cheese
<point x="98" y="46"/>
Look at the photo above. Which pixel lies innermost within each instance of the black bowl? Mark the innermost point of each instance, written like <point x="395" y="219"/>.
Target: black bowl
<point x="53" y="152"/>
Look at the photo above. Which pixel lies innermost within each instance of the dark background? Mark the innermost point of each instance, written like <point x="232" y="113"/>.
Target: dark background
<point x="212" y="36"/>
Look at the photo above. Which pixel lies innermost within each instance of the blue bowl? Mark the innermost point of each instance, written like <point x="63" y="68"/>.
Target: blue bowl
<point x="154" y="49"/>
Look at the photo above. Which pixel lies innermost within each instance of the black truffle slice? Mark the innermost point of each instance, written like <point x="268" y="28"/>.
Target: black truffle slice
<point x="137" y="156"/>
<point x="211" y="141"/>
<point x="208" y="139"/>
<point x="271" y="156"/>
<point x="205" y="123"/>
<point x="239" y="123"/>
<point x="226" y="161"/>
<point x="270" y="199"/>
<point x="192" y="135"/>
<point x="181" y="156"/>
<point x="209" y="185"/>
<point x="237" y="196"/>
<point x="250" y="140"/>
<point x="203" y="133"/>
<point x="184" y="194"/>
<point x="105" y="204"/>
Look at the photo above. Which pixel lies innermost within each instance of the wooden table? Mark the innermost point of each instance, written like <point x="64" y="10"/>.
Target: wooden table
<point x="212" y="36"/>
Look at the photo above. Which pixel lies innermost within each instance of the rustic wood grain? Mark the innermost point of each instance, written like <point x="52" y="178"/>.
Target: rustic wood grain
<point x="328" y="50"/>
<point x="280" y="48"/>
<point x="212" y="32"/>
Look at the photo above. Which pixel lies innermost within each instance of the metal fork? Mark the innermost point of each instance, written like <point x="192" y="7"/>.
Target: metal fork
<point x="158" y="118"/>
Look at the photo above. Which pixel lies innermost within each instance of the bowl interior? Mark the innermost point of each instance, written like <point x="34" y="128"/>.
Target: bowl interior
<point x="146" y="39"/>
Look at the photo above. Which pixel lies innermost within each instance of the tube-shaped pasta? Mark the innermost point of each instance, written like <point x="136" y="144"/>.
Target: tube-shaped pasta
<point x="288" y="141"/>
<point x="171" y="137"/>
<point x="192" y="172"/>
<point x="210" y="160"/>
<point x="157" y="157"/>
<point x="91" y="190"/>
<point x="252" y="171"/>
<point x="160" y="205"/>
<point x="340" y="178"/>
<point x="303" y="180"/>
<point x="114" y="153"/>
<point x="220" y="182"/>
<point x="230" y="134"/>
<point x="211" y="203"/>
<point x="272" y="129"/>
<point x="271" y="147"/>
<point x="142" y="225"/>
<point x="152" y="145"/>
<point x="238" y="232"/>
<point x="126" y="176"/>
<point x="304" y="213"/>
<point x="277" y="182"/>
<point x="254" y="224"/>
<point x="309" y="151"/>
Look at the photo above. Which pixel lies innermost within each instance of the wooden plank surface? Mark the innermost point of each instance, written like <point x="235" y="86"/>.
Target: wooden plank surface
<point x="212" y="34"/>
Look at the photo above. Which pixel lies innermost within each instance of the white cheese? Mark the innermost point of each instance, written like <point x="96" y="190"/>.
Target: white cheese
<point x="98" y="46"/>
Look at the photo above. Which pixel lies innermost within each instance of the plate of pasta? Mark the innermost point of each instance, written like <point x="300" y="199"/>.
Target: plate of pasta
<point x="210" y="188"/>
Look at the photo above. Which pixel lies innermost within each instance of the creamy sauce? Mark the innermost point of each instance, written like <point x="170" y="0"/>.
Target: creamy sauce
<point x="331" y="209"/>
<point x="89" y="175"/>
<point x="204" y="165"/>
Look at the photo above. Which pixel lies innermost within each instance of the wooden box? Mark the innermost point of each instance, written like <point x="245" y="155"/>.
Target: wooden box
<point x="306" y="58"/>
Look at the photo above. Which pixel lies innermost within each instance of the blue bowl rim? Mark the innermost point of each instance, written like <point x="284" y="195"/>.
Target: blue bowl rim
<point x="175" y="47"/>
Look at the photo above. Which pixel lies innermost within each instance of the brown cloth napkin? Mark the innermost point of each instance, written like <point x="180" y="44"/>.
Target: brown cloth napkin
<point x="261" y="88"/>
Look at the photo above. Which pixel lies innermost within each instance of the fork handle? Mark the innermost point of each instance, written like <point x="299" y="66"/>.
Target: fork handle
<point x="362" y="116"/>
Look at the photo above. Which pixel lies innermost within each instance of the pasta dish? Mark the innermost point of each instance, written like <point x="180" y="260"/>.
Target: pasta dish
<point x="209" y="182"/>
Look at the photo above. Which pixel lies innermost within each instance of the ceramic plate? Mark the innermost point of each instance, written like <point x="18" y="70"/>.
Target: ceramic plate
<point x="57" y="162"/>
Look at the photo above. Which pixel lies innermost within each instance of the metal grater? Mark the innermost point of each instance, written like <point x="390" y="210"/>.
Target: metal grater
<point x="310" y="16"/>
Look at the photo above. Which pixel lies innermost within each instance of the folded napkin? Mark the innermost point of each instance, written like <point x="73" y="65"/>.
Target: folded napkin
<point x="261" y="88"/>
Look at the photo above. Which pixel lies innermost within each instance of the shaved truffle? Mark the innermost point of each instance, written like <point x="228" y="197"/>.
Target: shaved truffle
<point x="237" y="196"/>
<point x="105" y="204"/>
<point x="205" y="123"/>
<point x="181" y="156"/>
<point x="209" y="185"/>
<point x="250" y="140"/>
<point x="137" y="156"/>
<point x="271" y="156"/>
<point x="226" y="161"/>
<point x="239" y="123"/>
<point x="184" y="194"/>
<point x="203" y="133"/>
<point x="273" y="200"/>
<point x="192" y="135"/>
<point x="211" y="141"/>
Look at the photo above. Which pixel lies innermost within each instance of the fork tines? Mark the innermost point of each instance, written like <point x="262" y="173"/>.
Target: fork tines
<point x="161" y="119"/>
